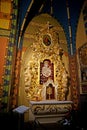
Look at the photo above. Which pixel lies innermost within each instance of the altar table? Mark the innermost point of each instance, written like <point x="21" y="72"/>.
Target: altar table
<point x="50" y="111"/>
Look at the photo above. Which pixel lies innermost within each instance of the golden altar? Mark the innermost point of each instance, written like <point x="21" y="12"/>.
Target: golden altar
<point x="46" y="77"/>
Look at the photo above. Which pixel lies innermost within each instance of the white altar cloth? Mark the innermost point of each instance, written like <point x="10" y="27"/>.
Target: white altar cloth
<point x="45" y="102"/>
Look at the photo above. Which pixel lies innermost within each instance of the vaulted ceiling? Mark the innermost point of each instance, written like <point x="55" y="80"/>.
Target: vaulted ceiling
<point x="27" y="9"/>
<point x="58" y="9"/>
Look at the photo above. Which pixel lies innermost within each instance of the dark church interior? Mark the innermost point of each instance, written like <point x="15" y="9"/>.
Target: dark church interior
<point x="43" y="64"/>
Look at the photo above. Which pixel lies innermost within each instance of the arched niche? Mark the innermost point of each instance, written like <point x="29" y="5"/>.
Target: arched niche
<point x="35" y="51"/>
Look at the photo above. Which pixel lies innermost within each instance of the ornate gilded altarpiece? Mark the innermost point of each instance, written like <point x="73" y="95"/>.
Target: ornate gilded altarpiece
<point x="83" y="68"/>
<point x="45" y="75"/>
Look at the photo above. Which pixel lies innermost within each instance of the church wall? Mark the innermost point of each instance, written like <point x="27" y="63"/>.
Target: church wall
<point x="8" y="25"/>
<point x="81" y="45"/>
<point x="3" y="51"/>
